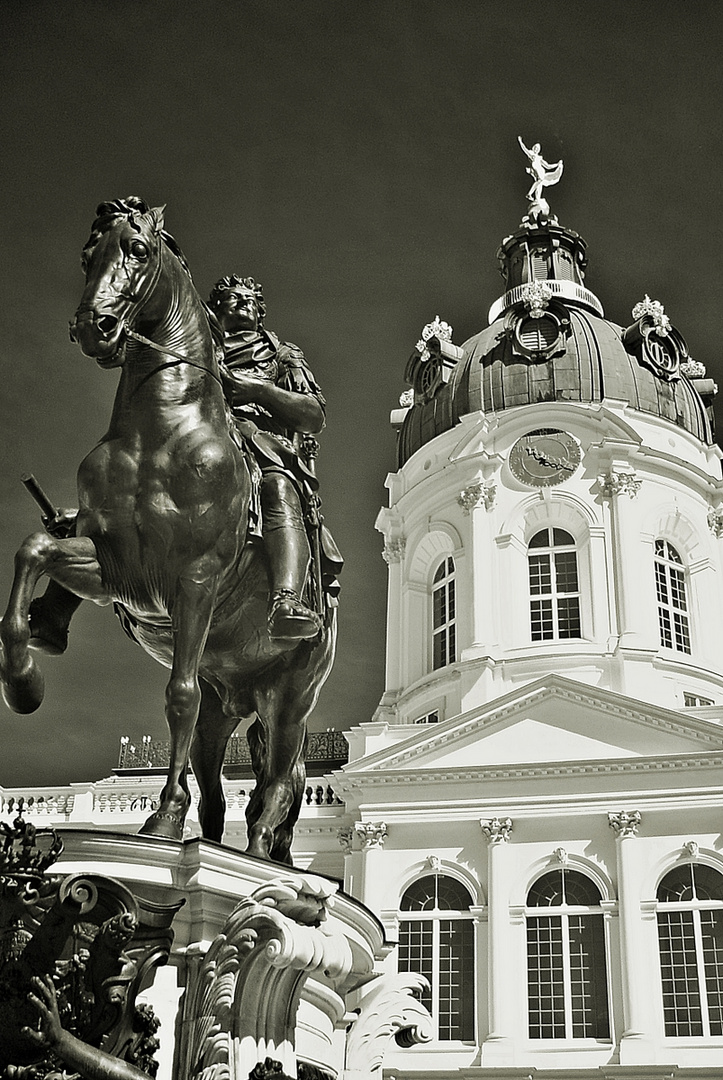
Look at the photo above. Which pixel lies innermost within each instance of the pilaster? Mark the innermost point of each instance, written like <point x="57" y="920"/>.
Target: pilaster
<point x="478" y="500"/>
<point x="620" y="485"/>
<point x="498" y="1046"/>
<point x="635" y="1040"/>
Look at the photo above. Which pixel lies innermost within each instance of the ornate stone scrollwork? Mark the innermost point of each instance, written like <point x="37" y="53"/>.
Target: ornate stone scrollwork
<point x="371" y="833"/>
<point x="655" y="341"/>
<point x="625" y="823"/>
<point x="391" y="1010"/>
<point x="394" y="550"/>
<point x="497" y="830"/>
<point x="618" y="482"/>
<point x="560" y="856"/>
<point x="480" y="493"/>
<point x="240" y="1005"/>
<point x="690" y="849"/>
<point x="92" y="944"/>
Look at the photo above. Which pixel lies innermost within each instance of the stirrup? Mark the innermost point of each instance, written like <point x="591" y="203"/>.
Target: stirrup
<point x="291" y="620"/>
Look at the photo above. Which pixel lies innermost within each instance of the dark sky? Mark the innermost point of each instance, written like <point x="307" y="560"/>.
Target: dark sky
<point x="360" y="159"/>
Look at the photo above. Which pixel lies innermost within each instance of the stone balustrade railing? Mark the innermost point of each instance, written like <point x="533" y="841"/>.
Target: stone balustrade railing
<point x="127" y="800"/>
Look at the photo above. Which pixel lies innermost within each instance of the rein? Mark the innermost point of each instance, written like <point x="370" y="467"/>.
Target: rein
<point x="179" y="359"/>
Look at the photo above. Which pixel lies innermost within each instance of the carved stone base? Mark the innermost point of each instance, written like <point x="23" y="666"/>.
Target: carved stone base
<point x="276" y="970"/>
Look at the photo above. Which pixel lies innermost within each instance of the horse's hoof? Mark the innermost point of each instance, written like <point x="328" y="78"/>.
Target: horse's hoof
<point x="23" y="692"/>
<point x="163" y="824"/>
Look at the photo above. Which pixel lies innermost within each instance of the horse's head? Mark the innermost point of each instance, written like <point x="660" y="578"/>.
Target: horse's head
<point x="122" y="262"/>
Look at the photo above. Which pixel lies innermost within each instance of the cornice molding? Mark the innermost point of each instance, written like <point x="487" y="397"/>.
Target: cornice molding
<point x="607" y="766"/>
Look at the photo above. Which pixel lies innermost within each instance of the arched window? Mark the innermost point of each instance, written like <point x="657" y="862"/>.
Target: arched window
<point x="690" y="932"/>
<point x="672" y="601"/>
<point x="444" y="615"/>
<point x="436" y="939"/>
<point x="567" y="985"/>
<point x="554" y="587"/>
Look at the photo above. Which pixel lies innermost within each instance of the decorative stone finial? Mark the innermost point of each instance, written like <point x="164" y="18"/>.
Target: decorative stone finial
<point x="656" y="311"/>
<point x="692" y="369"/>
<point x="438" y="329"/>
<point x="536" y="296"/>
<point x="543" y="175"/>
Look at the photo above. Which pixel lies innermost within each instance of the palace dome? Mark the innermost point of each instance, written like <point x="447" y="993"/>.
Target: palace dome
<point x="548" y="340"/>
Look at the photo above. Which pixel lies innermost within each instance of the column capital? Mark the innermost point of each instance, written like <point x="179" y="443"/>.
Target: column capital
<point x="619" y="482"/>
<point x="371" y="833"/>
<point x="496" y="829"/>
<point x="715" y="521"/>
<point x="394" y="550"/>
<point x="479" y="493"/>
<point x="625" y="823"/>
<point x="345" y="836"/>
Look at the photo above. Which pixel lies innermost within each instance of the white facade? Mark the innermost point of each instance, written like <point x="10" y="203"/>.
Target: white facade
<point x="669" y="487"/>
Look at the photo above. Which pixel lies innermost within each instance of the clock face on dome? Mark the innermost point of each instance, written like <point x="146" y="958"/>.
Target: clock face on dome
<point x="544" y="457"/>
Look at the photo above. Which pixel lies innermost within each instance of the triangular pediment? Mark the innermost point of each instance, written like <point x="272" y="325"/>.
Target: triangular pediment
<point x="553" y="719"/>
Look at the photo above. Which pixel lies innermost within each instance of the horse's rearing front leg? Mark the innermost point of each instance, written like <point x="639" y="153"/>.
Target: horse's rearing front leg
<point x="74" y="564"/>
<point x="191" y="615"/>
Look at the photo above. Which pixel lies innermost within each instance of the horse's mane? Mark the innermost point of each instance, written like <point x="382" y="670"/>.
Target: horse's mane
<point x="109" y="214"/>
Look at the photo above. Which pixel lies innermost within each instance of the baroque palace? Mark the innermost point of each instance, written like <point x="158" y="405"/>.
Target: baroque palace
<point x="532" y="818"/>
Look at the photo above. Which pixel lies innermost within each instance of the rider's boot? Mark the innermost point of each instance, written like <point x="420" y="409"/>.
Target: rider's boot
<point x="287" y="547"/>
<point x="49" y="617"/>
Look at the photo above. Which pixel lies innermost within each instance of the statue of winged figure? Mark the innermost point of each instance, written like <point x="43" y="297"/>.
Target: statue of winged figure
<point x="543" y="175"/>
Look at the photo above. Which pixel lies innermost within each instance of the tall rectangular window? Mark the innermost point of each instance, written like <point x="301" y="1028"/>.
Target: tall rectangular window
<point x="690" y="936"/>
<point x="436" y="939"/>
<point x="554" y="586"/>
<point x="673" y="621"/>
<point x="444" y="615"/>
<point x="567" y="986"/>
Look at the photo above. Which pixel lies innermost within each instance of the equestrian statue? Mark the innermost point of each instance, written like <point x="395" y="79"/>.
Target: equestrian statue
<point x="198" y="519"/>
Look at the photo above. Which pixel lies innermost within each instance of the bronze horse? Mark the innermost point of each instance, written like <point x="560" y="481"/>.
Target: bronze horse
<point x="162" y="533"/>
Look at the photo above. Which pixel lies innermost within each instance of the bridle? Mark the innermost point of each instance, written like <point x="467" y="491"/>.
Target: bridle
<point x="130" y="333"/>
<point x="179" y="359"/>
<point x="143" y="340"/>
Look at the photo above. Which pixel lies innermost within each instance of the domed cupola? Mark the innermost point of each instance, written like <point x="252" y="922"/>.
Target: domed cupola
<point x="548" y="340"/>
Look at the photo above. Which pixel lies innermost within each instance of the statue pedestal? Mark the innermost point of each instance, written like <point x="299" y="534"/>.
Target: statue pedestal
<point x="267" y="962"/>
